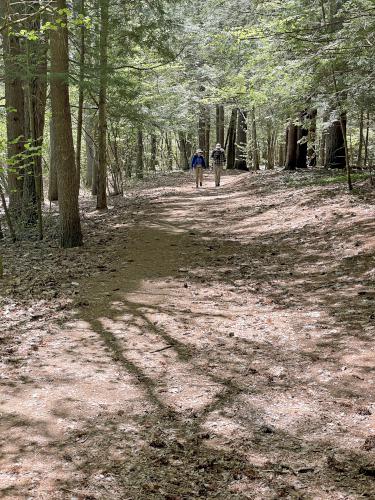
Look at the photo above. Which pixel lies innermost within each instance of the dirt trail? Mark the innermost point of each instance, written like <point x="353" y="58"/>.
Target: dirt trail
<point x="223" y="349"/>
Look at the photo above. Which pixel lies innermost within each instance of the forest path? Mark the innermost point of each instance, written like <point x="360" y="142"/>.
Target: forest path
<point x="221" y="349"/>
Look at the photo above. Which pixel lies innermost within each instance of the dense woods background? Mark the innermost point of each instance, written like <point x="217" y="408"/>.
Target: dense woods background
<point x="96" y="93"/>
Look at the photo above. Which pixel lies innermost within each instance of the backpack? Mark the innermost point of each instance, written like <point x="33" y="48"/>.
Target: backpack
<point x="217" y="155"/>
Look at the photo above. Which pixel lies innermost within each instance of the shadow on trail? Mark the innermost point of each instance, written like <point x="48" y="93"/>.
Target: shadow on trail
<point x="219" y="401"/>
<point x="302" y="265"/>
<point x="224" y="445"/>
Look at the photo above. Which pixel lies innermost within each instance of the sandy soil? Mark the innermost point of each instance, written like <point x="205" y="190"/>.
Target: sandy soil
<point x="211" y="343"/>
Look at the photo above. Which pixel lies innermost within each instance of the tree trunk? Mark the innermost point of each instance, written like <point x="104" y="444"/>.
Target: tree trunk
<point x="312" y="147"/>
<point x="101" y="201"/>
<point x="302" y="138"/>
<point x="15" y="112"/>
<point x="202" y="127"/>
<point x="139" y="165"/>
<point x="33" y="184"/>
<point x="222" y="126"/>
<point x="82" y="49"/>
<point x="32" y="202"/>
<point x="361" y="140"/>
<point x="365" y="160"/>
<point x="231" y="139"/>
<point x="8" y="218"/>
<point x="241" y="141"/>
<point x="269" y="147"/>
<point x="220" y="120"/>
<point x="154" y="151"/>
<point x="323" y="141"/>
<point x="70" y="225"/>
<point x="115" y="163"/>
<point x="90" y="150"/>
<point x="291" y="151"/>
<point x="335" y="144"/>
<point x="271" y="139"/>
<point x="168" y="143"/>
<point x="254" y="141"/>
<point x="189" y="148"/>
<point x="346" y="153"/>
<point x="53" y="164"/>
<point x="184" y="153"/>
<point x="206" y="149"/>
<point x="281" y="161"/>
<point x="95" y="170"/>
<point x="35" y="105"/>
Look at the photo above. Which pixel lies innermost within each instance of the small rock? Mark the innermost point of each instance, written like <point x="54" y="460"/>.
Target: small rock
<point x="367" y="470"/>
<point x="157" y="444"/>
<point x="305" y="470"/>
<point x="369" y="444"/>
<point x="265" y="429"/>
<point x="204" y="435"/>
<point x="364" y="412"/>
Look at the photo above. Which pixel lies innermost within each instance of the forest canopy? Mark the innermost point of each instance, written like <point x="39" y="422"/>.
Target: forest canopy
<point x="105" y="91"/>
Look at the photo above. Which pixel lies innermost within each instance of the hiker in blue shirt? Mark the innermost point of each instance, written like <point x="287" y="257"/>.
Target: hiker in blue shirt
<point x="198" y="164"/>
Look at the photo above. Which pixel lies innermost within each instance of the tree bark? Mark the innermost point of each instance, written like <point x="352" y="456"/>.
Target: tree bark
<point x="271" y="140"/>
<point x="82" y="49"/>
<point x="115" y="162"/>
<point x="202" y="127"/>
<point x="95" y="169"/>
<point x="15" y="112"/>
<point x="36" y="98"/>
<point x="101" y="201"/>
<point x="323" y="141"/>
<point x="8" y="218"/>
<point x="241" y="141"/>
<point x="189" y="148"/>
<point x="32" y="202"/>
<point x="220" y="119"/>
<point x="361" y="140"/>
<point x="254" y="141"/>
<point x="335" y="145"/>
<point x="70" y="225"/>
<point x="35" y="107"/>
<point x="90" y="150"/>
<point x="231" y="140"/>
<point x="281" y="161"/>
<point x="206" y="149"/>
<point x="365" y="160"/>
<point x="154" y="150"/>
<point x="53" y="164"/>
<point x="168" y="143"/>
<point x="184" y="151"/>
<point x="291" y="152"/>
<point x="139" y="165"/>
<point x="302" y="138"/>
<point x="312" y="147"/>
